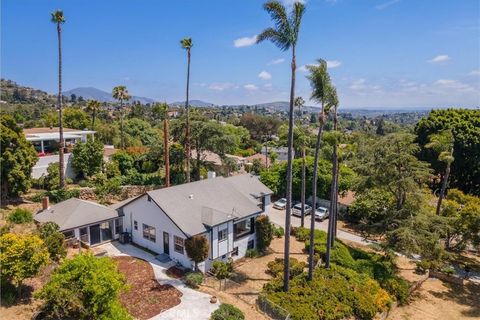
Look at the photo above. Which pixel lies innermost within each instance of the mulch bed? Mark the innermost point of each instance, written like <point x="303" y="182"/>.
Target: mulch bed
<point x="146" y="297"/>
<point x="175" y="272"/>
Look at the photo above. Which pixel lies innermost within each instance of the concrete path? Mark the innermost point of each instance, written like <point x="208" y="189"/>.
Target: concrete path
<point x="278" y="217"/>
<point x="195" y="305"/>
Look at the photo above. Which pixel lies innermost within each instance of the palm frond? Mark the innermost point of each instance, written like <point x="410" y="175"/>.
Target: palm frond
<point x="295" y="20"/>
<point x="186" y="43"/>
<point x="276" y="37"/>
<point x="279" y="16"/>
<point x="57" y="17"/>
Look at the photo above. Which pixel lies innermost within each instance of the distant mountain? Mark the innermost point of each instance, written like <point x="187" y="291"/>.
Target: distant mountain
<point x="88" y="93"/>
<point x="282" y="106"/>
<point x="193" y="103"/>
<point x="12" y="92"/>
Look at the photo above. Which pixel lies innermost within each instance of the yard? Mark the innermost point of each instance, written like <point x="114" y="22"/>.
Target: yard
<point x="145" y="297"/>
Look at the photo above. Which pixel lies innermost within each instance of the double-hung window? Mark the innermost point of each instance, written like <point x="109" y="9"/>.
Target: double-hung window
<point x="179" y="244"/>
<point x="149" y="232"/>
<point x="222" y="235"/>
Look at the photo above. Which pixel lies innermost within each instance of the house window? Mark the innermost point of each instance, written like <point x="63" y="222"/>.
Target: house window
<point x="135" y="225"/>
<point x="118" y="225"/>
<point x="243" y="228"/>
<point x="69" y="234"/>
<point x="251" y="244"/>
<point x="179" y="244"/>
<point x="149" y="232"/>
<point x="235" y="251"/>
<point x="222" y="235"/>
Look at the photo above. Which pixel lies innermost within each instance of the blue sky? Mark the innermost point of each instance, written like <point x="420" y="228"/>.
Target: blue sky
<point x="382" y="53"/>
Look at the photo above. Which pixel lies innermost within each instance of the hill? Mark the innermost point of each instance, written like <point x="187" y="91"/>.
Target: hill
<point x="193" y="103"/>
<point x="11" y="92"/>
<point x="90" y="93"/>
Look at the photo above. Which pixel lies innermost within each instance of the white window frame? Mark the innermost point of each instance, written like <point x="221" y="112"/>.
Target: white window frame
<point x="178" y="244"/>
<point x="148" y="234"/>
<point x="222" y="235"/>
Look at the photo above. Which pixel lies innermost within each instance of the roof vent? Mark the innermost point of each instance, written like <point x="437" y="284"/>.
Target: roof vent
<point x="190" y="196"/>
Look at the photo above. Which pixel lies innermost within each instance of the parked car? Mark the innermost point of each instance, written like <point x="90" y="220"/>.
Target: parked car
<point x="297" y="209"/>
<point x="321" y="213"/>
<point x="280" y="204"/>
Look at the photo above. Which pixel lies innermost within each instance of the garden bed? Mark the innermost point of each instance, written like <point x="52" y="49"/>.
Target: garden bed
<point x="146" y="297"/>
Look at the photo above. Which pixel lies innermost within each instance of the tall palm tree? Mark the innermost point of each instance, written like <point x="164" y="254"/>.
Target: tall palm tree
<point x="285" y="36"/>
<point x="93" y="106"/>
<point x="299" y="102"/>
<point x="187" y="44"/>
<point x="59" y="19"/>
<point x="443" y="143"/>
<point x="322" y="93"/>
<point x="121" y="94"/>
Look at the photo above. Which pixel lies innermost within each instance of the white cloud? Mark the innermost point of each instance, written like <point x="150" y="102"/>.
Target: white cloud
<point x="290" y="3"/>
<point x="303" y="68"/>
<point x="250" y="87"/>
<point x="386" y="4"/>
<point x="474" y="73"/>
<point x="358" y="84"/>
<point x="276" y="61"/>
<point x="333" y="63"/>
<point x="453" y="85"/>
<point x="245" y="41"/>
<point x="264" y="75"/>
<point x="221" y="86"/>
<point x="439" y="59"/>
<point x="267" y="85"/>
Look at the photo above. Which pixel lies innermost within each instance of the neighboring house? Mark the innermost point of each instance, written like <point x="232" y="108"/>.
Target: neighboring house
<point x="46" y="142"/>
<point x="214" y="161"/>
<point x="87" y="221"/>
<point x="264" y="160"/>
<point x="282" y="152"/>
<point x="221" y="209"/>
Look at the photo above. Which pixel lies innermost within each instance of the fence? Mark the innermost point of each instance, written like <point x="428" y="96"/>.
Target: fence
<point x="271" y="309"/>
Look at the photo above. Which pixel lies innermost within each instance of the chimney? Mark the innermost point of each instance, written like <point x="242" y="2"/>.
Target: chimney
<point x="45" y="203"/>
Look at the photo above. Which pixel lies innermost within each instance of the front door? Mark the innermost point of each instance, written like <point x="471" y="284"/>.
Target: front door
<point x="166" y="243"/>
<point x="95" y="234"/>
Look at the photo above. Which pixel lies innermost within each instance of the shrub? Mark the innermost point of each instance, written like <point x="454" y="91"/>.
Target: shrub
<point x="264" y="232"/>
<point x="251" y="253"/>
<point x="193" y="279"/>
<point x="62" y="194"/>
<point x="197" y="248"/>
<point x="56" y="246"/>
<point x="275" y="268"/>
<point x="278" y="232"/>
<point x="227" y="312"/>
<point x="20" y="216"/>
<point x="220" y="270"/>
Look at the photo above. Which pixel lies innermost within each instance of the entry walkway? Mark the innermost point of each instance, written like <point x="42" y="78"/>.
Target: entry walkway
<point x="194" y="305"/>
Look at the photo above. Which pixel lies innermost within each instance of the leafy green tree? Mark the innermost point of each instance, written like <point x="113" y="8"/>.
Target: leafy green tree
<point x="21" y="257"/>
<point x="58" y="19"/>
<point x="85" y="287"/>
<point x="465" y="127"/>
<point x="88" y="158"/>
<point x="442" y="143"/>
<point x="285" y="36"/>
<point x="197" y="249"/>
<point x="121" y="94"/>
<point x="264" y="232"/>
<point x="125" y="161"/>
<point x="54" y="240"/>
<point x="20" y="216"/>
<point x="17" y="158"/>
<point x="93" y="106"/>
<point x="187" y="44"/>
<point x="160" y="112"/>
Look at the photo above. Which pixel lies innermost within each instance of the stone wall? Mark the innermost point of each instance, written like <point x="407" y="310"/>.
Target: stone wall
<point x="126" y="192"/>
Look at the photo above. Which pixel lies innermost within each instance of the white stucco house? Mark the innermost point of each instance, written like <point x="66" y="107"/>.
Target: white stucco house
<point x="221" y="209"/>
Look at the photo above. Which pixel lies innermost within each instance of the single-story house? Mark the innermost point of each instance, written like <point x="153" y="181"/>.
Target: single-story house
<point x="282" y="152"/>
<point x="221" y="209"/>
<point x="90" y="222"/>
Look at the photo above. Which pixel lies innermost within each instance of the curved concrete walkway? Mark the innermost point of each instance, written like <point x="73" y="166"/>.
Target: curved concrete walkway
<point x="194" y="304"/>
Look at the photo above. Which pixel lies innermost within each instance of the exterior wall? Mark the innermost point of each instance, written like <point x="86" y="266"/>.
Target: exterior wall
<point x="41" y="166"/>
<point x="242" y="243"/>
<point x="224" y="247"/>
<point x="147" y="212"/>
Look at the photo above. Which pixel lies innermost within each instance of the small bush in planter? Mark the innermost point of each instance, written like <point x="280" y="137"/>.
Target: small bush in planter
<point x="20" y="216"/>
<point x="227" y="312"/>
<point x="251" y="253"/>
<point x="193" y="279"/>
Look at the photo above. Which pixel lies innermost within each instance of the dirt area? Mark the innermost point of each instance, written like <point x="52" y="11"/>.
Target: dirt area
<point x="436" y="299"/>
<point x="145" y="297"/>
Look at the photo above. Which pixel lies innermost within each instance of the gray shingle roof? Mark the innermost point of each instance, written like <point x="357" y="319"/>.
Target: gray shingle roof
<point x="74" y="213"/>
<point x="195" y="206"/>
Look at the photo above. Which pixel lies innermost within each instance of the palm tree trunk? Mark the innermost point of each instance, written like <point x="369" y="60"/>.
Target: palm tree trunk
<point x="60" y="110"/>
<point x="443" y="189"/>
<point x="314" y="196"/>
<point x="122" y="134"/>
<point x="187" y="134"/>
<point x="166" y="152"/>
<point x="333" y="190"/>
<point x="93" y="120"/>
<point x="336" y="203"/>
<point x="286" y="270"/>
<point x="302" y="221"/>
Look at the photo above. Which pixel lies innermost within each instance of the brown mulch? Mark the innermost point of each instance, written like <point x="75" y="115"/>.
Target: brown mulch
<point x="175" y="272"/>
<point x="145" y="297"/>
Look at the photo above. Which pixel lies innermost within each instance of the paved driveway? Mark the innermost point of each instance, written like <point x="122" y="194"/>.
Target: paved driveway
<point x="278" y="217"/>
<point x="195" y="305"/>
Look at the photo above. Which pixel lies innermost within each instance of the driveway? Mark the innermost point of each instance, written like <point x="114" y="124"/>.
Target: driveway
<point x="278" y="217"/>
<point x="194" y="305"/>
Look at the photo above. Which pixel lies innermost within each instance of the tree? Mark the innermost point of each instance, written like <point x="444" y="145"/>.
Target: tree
<point x="322" y="91"/>
<point x="88" y="158"/>
<point x="187" y="44"/>
<point x="465" y="127"/>
<point x="285" y="36"/>
<point x="442" y="143"/>
<point x="121" y="94"/>
<point x="59" y="19"/>
<point x="160" y="112"/>
<point x="21" y="257"/>
<point x="197" y="249"/>
<point x="93" y="106"/>
<point x="264" y="232"/>
<point x="85" y="287"/>
<point x="17" y="158"/>
<point x="299" y="102"/>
